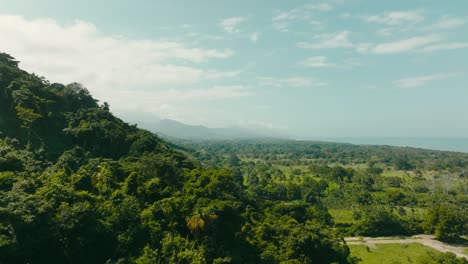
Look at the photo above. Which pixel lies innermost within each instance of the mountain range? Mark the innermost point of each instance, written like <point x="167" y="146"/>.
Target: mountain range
<point x="174" y="129"/>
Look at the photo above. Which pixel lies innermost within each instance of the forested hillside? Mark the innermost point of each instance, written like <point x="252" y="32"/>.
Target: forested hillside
<point x="78" y="185"/>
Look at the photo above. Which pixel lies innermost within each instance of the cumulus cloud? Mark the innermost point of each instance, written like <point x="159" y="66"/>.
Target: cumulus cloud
<point x="396" y="21"/>
<point x="231" y="25"/>
<point x="411" y="21"/>
<point x="419" y="81"/>
<point x="427" y="43"/>
<point x="399" y="46"/>
<point x="445" y="46"/>
<point x="328" y="41"/>
<point x="404" y="21"/>
<point x="396" y="18"/>
<point x="302" y="12"/>
<point x="448" y="22"/>
<point x="116" y="69"/>
<point x="281" y="26"/>
<point x="283" y="19"/>
<point x="317" y="62"/>
<point x="406" y="44"/>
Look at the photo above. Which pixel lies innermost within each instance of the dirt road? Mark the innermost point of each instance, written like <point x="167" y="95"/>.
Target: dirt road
<point x="426" y="240"/>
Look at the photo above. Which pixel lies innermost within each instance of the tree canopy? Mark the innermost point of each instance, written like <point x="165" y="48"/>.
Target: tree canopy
<point x="79" y="185"/>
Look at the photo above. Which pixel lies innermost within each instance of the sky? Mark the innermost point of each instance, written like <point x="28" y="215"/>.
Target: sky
<point x="338" y="68"/>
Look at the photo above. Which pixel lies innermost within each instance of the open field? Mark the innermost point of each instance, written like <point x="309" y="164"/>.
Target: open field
<point x="341" y="216"/>
<point x="390" y="253"/>
<point x="424" y="240"/>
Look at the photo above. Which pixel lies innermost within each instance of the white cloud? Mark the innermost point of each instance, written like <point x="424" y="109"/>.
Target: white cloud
<point x="448" y="22"/>
<point x="397" y="22"/>
<point x="281" y="26"/>
<point x="399" y="46"/>
<point x="445" y="46"/>
<point x="287" y="15"/>
<point x="231" y="24"/>
<point x="294" y="82"/>
<point x="283" y="19"/>
<point x="419" y="81"/>
<point x="317" y="62"/>
<point x="396" y="18"/>
<point x="115" y="69"/>
<point x="302" y="12"/>
<point x="410" y="21"/>
<point x="427" y="43"/>
<point x="254" y="37"/>
<point x="328" y="41"/>
<point x="185" y="105"/>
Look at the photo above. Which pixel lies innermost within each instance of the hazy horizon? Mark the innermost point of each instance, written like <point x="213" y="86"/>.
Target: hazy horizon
<point x="456" y="144"/>
<point x="341" y="68"/>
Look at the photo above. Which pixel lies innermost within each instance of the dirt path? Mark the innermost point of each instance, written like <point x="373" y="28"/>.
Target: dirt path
<point x="426" y="240"/>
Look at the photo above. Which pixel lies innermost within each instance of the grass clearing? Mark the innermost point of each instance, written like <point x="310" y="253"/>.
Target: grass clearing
<point x="390" y="253"/>
<point x="342" y="216"/>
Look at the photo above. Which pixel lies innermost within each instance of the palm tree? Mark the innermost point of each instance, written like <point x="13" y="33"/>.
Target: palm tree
<point x="199" y="220"/>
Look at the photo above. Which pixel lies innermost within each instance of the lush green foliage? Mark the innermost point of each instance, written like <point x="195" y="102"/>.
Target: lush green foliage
<point x="78" y="185"/>
<point x="378" y="190"/>
<point x="448" y="222"/>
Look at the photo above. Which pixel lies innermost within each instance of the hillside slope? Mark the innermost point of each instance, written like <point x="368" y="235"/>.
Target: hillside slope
<point x="78" y="185"/>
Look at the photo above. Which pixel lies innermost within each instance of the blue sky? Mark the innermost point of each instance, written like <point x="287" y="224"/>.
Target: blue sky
<point x="309" y="68"/>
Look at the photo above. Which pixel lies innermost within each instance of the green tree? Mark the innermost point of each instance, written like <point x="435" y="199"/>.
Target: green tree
<point x="7" y="59"/>
<point x="447" y="221"/>
<point x="199" y="220"/>
<point x="27" y="117"/>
